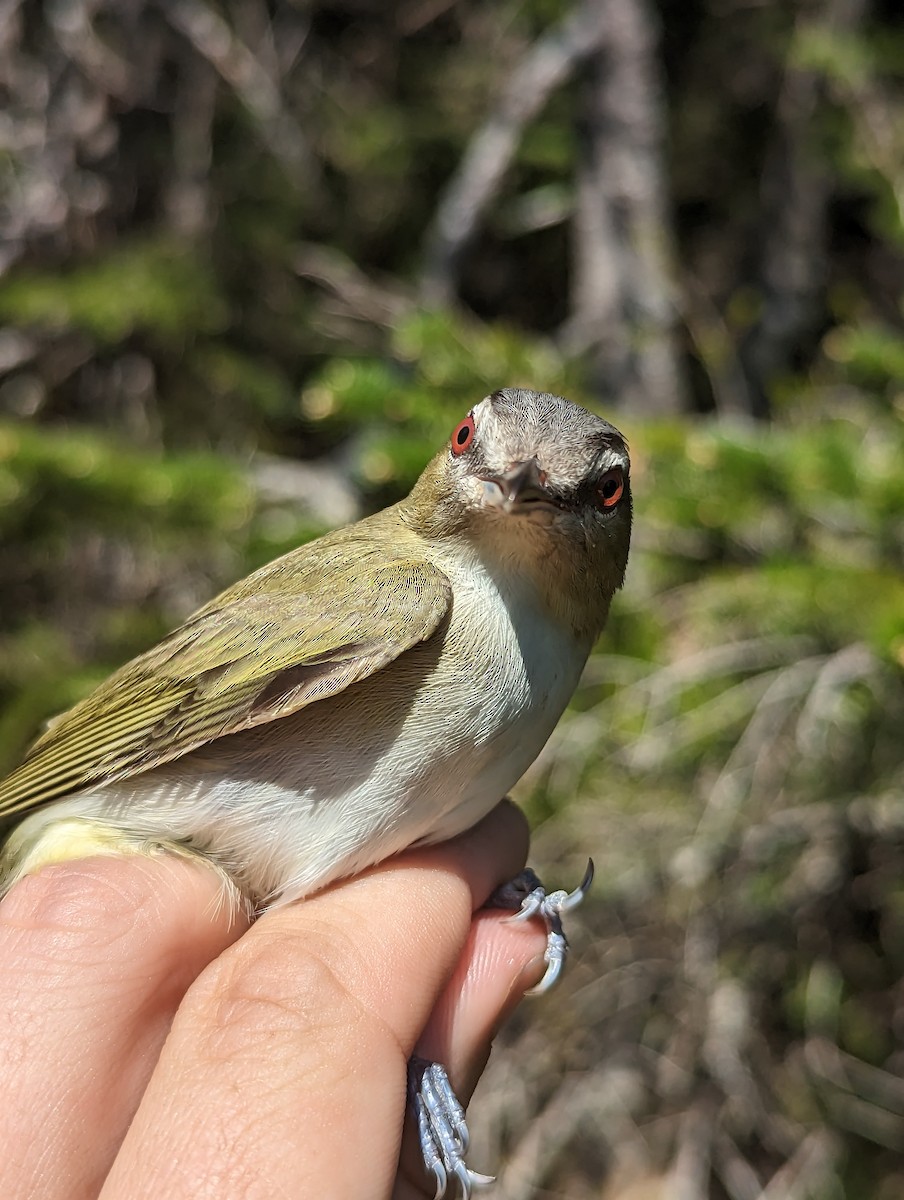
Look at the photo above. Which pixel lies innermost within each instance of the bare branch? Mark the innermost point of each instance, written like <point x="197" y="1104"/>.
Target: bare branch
<point x="807" y="1172"/>
<point x="360" y="297"/>
<point x="252" y="83"/>
<point x="487" y="158"/>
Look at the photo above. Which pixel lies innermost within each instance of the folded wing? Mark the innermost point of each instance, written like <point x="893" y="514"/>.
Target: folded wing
<point x="303" y="628"/>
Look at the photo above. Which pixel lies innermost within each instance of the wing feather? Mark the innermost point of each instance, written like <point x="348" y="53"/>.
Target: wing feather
<point x="301" y="629"/>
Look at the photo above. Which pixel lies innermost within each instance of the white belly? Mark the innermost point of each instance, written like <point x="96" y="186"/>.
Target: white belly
<point x="415" y="753"/>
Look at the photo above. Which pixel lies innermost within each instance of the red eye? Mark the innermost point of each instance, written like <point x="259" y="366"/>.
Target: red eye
<point x="463" y="435"/>
<point x="610" y="488"/>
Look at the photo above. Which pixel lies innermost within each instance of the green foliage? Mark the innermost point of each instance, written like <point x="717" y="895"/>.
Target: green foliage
<point x="871" y="356"/>
<point x="157" y="287"/>
<point x="48" y="477"/>
<point x="834" y="605"/>
<point x="831" y="491"/>
<point x="236" y="378"/>
<point x="844" y="59"/>
<point x="75" y="503"/>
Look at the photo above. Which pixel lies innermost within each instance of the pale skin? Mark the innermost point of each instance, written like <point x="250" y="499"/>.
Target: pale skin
<point x="150" y="1047"/>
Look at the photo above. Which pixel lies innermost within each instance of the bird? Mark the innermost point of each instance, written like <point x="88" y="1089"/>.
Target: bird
<point x="380" y="687"/>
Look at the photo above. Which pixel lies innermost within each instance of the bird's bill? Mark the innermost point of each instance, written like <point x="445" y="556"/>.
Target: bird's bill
<point x="521" y="490"/>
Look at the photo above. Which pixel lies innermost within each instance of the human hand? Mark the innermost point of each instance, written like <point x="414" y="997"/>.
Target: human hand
<point x="150" y="1046"/>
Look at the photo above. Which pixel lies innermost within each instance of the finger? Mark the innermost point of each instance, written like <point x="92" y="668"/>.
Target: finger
<point x="95" y="957"/>
<point x="286" y="1063"/>
<point x="499" y="963"/>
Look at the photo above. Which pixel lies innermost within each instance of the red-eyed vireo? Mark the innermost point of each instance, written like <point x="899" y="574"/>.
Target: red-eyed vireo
<point x="382" y="686"/>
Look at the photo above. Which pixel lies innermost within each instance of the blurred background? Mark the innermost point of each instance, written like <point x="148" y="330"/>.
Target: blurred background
<point x="259" y="257"/>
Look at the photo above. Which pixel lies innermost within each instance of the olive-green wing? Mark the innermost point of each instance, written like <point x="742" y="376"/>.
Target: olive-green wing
<point x="297" y="631"/>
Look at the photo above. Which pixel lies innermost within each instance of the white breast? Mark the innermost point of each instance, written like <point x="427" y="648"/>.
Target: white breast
<point x="515" y="670"/>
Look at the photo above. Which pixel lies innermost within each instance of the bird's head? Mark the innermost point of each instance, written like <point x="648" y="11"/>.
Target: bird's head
<point x="536" y="484"/>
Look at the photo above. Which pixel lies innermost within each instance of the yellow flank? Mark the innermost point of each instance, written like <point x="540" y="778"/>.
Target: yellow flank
<point x="64" y="840"/>
<point x="42" y="843"/>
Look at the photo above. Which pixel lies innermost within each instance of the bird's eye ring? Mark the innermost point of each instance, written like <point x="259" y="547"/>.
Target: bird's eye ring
<point x="610" y="488"/>
<point x="463" y="435"/>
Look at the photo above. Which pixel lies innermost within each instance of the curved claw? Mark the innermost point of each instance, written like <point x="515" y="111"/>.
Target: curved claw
<point x="478" y="1180"/>
<point x="556" y="951"/>
<point x="471" y="1179"/>
<point x="442" y="1180"/>
<point x="530" y="906"/>
<point x="573" y="899"/>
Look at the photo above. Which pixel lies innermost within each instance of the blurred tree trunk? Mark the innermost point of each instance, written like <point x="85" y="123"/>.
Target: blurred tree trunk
<point x="796" y="188"/>
<point x="622" y="295"/>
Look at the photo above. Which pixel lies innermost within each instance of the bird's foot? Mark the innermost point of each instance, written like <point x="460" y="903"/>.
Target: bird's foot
<point x="441" y="1127"/>
<point x="528" y="895"/>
